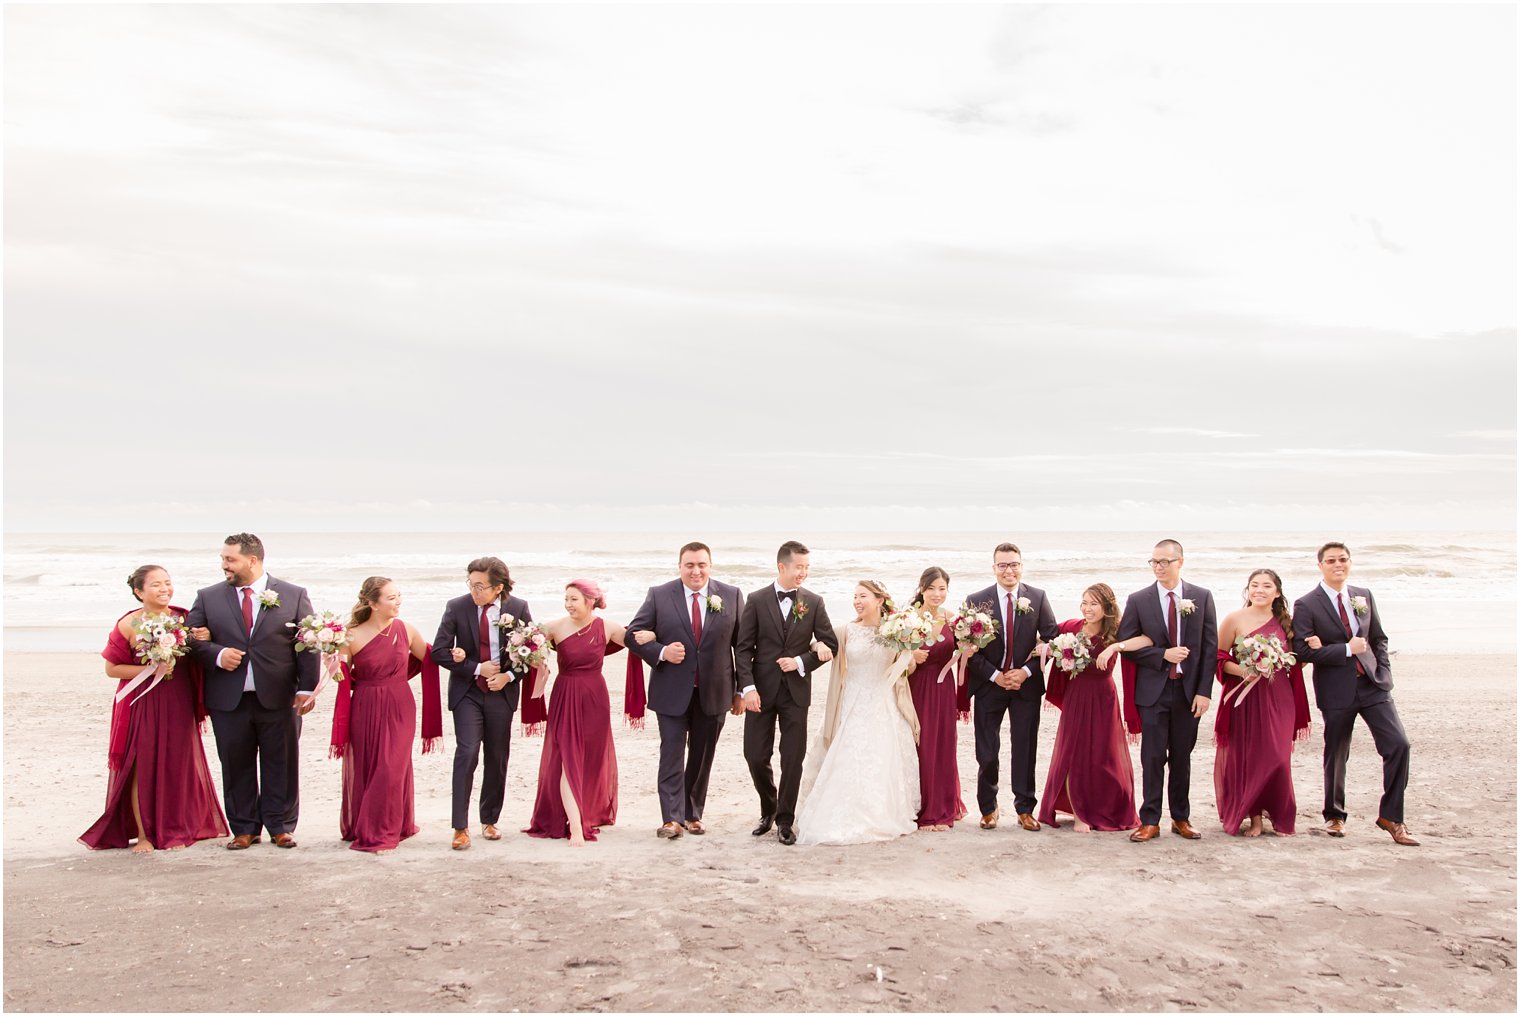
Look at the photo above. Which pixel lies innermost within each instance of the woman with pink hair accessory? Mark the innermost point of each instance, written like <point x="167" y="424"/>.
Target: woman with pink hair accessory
<point x="577" y="773"/>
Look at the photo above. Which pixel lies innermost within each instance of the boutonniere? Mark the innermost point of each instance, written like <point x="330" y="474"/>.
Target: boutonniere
<point x="506" y="622"/>
<point x="1187" y="607"/>
<point x="715" y="604"/>
<point x="1023" y="606"/>
<point x="799" y="609"/>
<point x="1359" y="604"/>
<point x="269" y="599"/>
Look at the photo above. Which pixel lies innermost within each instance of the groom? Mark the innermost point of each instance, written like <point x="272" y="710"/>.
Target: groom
<point x="776" y="665"/>
<point x="1336" y="628"/>
<point x="695" y="620"/>
<point x="257" y="689"/>
<point x="1174" y="677"/>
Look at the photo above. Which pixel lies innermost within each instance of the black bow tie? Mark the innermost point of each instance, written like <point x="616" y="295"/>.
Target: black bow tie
<point x="785" y="594"/>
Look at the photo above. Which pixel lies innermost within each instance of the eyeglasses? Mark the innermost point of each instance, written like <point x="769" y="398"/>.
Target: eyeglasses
<point x="478" y="587"/>
<point x="1162" y="562"/>
<point x="1008" y="565"/>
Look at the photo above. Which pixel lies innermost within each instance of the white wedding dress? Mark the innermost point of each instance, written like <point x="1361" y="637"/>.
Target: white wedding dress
<point x="864" y="787"/>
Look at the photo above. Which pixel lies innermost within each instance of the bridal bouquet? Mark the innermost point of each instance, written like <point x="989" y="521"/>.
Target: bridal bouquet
<point x="906" y="630"/>
<point x="320" y="633"/>
<point x="527" y="646"/>
<point x="161" y="638"/>
<point x="1262" y="655"/>
<point x="972" y="627"/>
<point x="1072" y="651"/>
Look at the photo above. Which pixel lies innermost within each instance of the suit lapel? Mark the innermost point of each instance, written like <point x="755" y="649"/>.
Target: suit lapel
<point x="1152" y="606"/>
<point x="237" y="611"/>
<point x="259" y="610"/>
<point x="683" y="598"/>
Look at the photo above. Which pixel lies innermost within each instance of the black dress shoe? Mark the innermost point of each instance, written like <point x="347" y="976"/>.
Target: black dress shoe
<point x="786" y="836"/>
<point x="763" y="828"/>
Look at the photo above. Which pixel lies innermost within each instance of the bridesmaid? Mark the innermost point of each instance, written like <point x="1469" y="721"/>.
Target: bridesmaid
<point x="159" y="793"/>
<point x="577" y="773"/>
<point x="939" y="779"/>
<point x="1258" y="720"/>
<point x="1091" y="777"/>
<point x="378" y="809"/>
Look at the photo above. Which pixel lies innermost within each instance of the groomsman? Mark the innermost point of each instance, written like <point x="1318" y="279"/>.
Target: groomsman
<point x="1174" y="678"/>
<point x="483" y="691"/>
<point x="1336" y="628"/>
<point x="1005" y="681"/>
<point x="692" y="687"/>
<point x="776" y="660"/>
<point x="257" y="689"/>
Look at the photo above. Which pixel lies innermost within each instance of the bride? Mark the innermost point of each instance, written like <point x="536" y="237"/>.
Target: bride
<point x="866" y="785"/>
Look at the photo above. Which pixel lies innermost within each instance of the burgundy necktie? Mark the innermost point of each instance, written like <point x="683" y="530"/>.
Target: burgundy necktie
<point x="1346" y="623"/>
<point x="1008" y="637"/>
<point x="485" y="648"/>
<point x="696" y="629"/>
<point x="248" y="611"/>
<point x="1171" y="629"/>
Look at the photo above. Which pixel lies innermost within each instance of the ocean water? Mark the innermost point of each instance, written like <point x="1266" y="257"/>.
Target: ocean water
<point x="1438" y="592"/>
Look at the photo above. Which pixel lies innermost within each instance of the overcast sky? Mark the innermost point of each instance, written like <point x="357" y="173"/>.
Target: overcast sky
<point x="429" y="267"/>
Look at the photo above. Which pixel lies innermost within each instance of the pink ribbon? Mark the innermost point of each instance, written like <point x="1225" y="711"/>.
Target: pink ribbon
<point x="960" y="671"/>
<point x="153" y="670"/>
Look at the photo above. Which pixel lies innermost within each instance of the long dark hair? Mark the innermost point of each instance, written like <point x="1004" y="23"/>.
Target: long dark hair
<point x="369" y="592"/>
<point x="1279" y="602"/>
<point x="926" y="580"/>
<point x="1108" y="628"/>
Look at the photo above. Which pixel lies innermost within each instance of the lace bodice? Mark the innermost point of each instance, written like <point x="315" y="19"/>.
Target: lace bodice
<point x="865" y="657"/>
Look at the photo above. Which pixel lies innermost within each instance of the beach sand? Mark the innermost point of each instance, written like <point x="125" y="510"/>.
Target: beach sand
<point x="964" y="920"/>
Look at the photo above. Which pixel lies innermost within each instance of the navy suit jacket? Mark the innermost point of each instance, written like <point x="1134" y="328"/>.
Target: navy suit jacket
<point x="666" y="611"/>
<point x="987" y="661"/>
<point x="278" y="670"/>
<point x="1199" y="632"/>
<point x="1315" y="613"/>
<point x="461" y="620"/>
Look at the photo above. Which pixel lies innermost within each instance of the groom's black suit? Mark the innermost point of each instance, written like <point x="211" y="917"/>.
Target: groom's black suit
<point x="765" y="636"/>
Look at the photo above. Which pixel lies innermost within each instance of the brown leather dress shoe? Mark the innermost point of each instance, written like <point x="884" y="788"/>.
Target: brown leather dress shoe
<point x="990" y="820"/>
<point x="1029" y="822"/>
<point x="461" y="839"/>
<point x="669" y="831"/>
<point x="695" y="827"/>
<point x="1145" y="832"/>
<point x="1335" y="827"/>
<point x="1186" y="831"/>
<point x="283" y="840"/>
<point x="1398" y="832"/>
<point x="243" y="841"/>
<point x="490" y="832"/>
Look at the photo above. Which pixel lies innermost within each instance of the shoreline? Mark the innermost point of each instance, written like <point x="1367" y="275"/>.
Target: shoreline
<point x="960" y="920"/>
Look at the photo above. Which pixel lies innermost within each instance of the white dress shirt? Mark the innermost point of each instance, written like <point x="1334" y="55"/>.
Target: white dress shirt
<point x="1009" y="616"/>
<point x="785" y="607"/>
<point x="687" y="594"/>
<point x="258" y="585"/>
<point x="493" y="613"/>
<point x="1344" y="598"/>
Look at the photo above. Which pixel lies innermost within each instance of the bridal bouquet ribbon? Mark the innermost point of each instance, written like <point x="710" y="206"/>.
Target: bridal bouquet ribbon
<point x="160" y="639"/>
<point x="321" y="633"/>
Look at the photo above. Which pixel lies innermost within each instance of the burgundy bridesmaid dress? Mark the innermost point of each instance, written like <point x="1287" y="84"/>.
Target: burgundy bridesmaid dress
<point x="939" y="779"/>
<point x="578" y="741"/>
<point x="1090" y="773"/>
<point x="156" y="736"/>
<point x="1253" y="769"/>
<point x="379" y="809"/>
